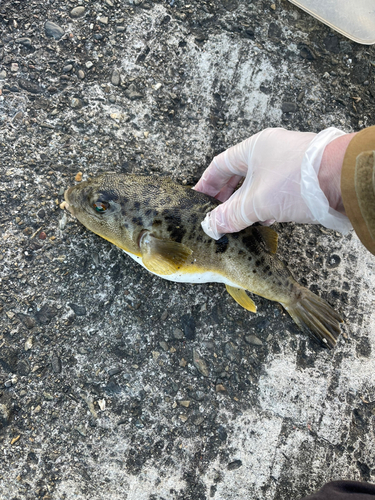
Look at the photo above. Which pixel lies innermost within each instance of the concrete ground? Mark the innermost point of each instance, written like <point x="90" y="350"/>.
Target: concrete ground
<point x="117" y="384"/>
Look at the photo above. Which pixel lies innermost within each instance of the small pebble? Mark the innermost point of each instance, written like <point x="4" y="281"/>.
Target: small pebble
<point x="67" y="68"/>
<point x="77" y="12"/>
<point x="14" y="67"/>
<point x="56" y="364"/>
<point x="289" y="107"/>
<point x="76" y="103"/>
<point x="115" y="78"/>
<point x="78" y="310"/>
<point x="222" y="433"/>
<point x="81" y="74"/>
<point x="28" y="344"/>
<point x="78" y="177"/>
<point x="24" y="41"/>
<point x="3" y="74"/>
<point x="198" y="420"/>
<point x="178" y="334"/>
<point x="103" y="20"/>
<point x="53" y="30"/>
<point x="254" y="340"/>
<point x="200" y="364"/>
<point x="236" y="464"/>
<point x="89" y="64"/>
<point x="231" y="351"/>
<point x="164" y="316"/>
<point x="184" y="403"/>
<point x="164" y="345"/>
<point x="114" y="371"/>
<point x="42" y="235"/>
<point x="220" y="388"/>
<point x="15" y="439"/>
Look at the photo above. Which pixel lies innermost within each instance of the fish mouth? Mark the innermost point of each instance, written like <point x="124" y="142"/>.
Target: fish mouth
<point x="66" y="204"/>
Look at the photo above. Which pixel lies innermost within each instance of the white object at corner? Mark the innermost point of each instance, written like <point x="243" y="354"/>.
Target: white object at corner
<point x="354" y="19"/>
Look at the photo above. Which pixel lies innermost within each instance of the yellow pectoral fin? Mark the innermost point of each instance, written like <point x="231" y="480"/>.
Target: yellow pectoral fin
<point x="241" y="297"/>
<point x="162" y="256"/>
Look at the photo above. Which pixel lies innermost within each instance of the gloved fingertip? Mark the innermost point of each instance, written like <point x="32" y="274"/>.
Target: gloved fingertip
<point x="209" y="227"/>
<point x="268" y="222"/>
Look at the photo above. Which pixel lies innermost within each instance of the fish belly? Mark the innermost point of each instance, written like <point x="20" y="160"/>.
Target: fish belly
<point x="190" y="277"/>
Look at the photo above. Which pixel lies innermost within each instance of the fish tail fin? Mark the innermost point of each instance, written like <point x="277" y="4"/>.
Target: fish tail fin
<point x="313" y="315"/>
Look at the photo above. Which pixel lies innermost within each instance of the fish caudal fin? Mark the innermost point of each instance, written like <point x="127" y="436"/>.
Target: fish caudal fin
<point x="313" y="315"/>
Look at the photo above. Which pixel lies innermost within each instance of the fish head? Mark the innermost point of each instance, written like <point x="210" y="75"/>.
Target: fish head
<point x="101" y="205"/>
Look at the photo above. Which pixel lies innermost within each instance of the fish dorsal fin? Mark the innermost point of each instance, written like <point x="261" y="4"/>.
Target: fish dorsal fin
<point x="270" y="237"/>
<point x="241" y="297"/>
<point x="162" y="256"/>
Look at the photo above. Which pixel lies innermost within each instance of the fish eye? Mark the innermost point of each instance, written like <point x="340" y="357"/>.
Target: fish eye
<point x="100" y="206"/>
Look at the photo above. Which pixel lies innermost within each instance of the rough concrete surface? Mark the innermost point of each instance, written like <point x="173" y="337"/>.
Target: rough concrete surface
<point x="100" y="397"/>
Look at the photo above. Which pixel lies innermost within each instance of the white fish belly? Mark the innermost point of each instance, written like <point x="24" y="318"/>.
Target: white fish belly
<point x="204" y="277"/>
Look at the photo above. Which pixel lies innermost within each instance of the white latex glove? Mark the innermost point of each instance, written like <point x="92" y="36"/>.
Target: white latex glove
<point x="281" y="184"/>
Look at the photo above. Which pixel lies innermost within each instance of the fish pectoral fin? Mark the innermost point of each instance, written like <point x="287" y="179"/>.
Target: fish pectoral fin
<point x="162" y="256"/>
<point x="270" y="237"/>
<point x="241" y="297"/>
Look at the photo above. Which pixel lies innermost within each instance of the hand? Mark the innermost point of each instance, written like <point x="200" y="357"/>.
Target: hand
<point x="281" y="182"/>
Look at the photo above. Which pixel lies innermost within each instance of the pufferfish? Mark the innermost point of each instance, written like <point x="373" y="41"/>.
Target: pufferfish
<point x="158" y="223"/>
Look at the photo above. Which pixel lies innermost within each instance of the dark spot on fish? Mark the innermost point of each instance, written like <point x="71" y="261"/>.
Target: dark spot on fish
<point x="222" y="244"/>
<point x="156" y="213"/>
<point x="138" y="221"/>
<point x="254" y="271"/>
<point x="193" y="218"/>
<point x="126" y="225"/>
<point x="148" y="212"/>
<point x="279" y="283"/>
<point x="252" y="245"/>
<point x="249" y="259"/>
<point x="175" y="226"/>
<point x="108" y="195"/>
<point x="199" y="238"/>
<point x="270" y="273"/>
<point x="157" y="222"/>
<point x="267" y="268"/>
<point x="241" y="252"/>
<point x="235" y="236"/>
<point x="123" y="202"/>
<point x="137" y="205"/>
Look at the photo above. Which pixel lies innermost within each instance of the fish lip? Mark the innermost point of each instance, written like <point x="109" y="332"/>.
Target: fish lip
<point x="68" y="206"/>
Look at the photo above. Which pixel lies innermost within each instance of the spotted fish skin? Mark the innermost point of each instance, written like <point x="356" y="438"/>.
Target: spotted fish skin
<point x="158" y="223"/>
